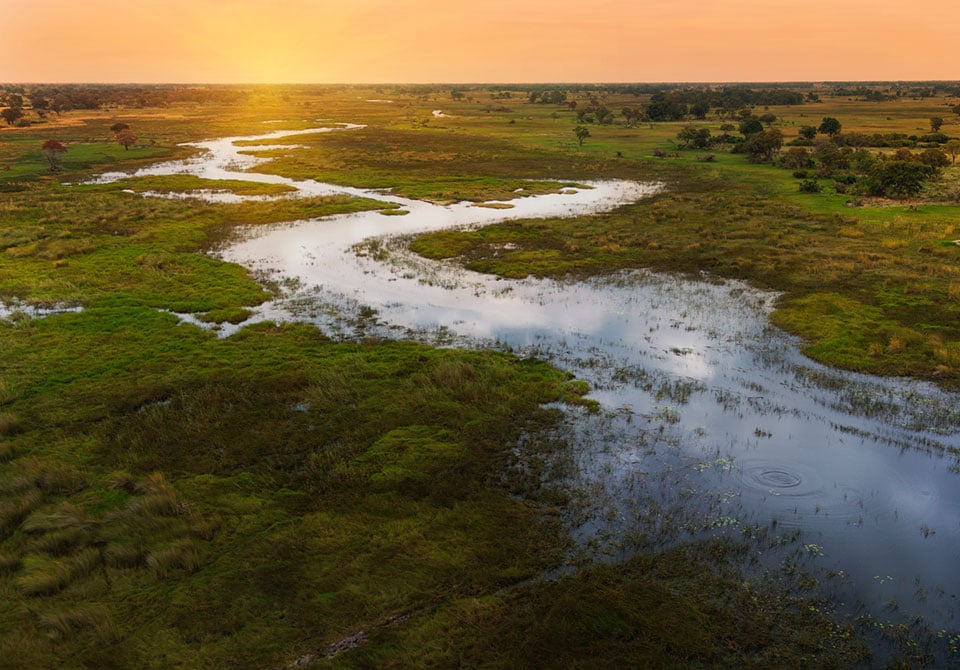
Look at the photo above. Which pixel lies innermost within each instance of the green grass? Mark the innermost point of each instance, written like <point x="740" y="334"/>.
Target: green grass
<point x="183" y="183"/>
<point x="169" y="498"/>
<point x="893" y="265"/>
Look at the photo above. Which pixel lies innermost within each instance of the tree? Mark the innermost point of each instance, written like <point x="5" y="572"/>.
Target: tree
<point x="11" y="115"/>
<point x="762" y="146"/>
<point x="796" y="158"/>
<point x="935" y="123"/>
<point x="604" y="115"/>
<point x="700" y="109"/>
<point x="900" y="179"/>
<point x="118" y="126"/>
<point x="632" y="115"/>
<point x="39" y="103"/>
<point x="808" y="132"/>
<point x="53" y="151"/>
<point x="829" y="126"/>
<point x="692" y="137"/>
<point x="767" y="119"/>
<point x="61" y="103"/>
<point x="582" y="133"/>
<point x="750" y="126"/>
<point x="953" y="148"/>
<point x="904" y="154"/>
<point x="126" y="138"/>
<point x="831" y="157"/>
<point x="855" y="140"/>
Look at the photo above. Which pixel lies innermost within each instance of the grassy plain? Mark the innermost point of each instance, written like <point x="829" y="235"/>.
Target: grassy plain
<point x="168" y="498"/>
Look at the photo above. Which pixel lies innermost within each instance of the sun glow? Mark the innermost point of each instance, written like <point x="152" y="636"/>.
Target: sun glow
<point x="498" y="40"/>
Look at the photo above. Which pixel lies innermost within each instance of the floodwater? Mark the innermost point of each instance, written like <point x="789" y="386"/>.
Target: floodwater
<point x="712" y="421"/>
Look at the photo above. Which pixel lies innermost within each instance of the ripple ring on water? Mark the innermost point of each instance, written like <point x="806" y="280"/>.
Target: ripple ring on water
<point x="774" y="478"/>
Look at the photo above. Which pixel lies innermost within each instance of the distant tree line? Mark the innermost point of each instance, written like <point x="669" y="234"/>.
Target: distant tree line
<point x="61" y="98"/>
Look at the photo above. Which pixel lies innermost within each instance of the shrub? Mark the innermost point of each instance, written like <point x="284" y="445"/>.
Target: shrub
<point x="809" y="186"/>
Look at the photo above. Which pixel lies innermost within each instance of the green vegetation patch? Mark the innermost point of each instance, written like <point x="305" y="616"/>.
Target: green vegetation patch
<point x="307" y="487"/>
<point x="898" y="280"/>
<point x="183" y="183"/>
<point x="678" y="608"/>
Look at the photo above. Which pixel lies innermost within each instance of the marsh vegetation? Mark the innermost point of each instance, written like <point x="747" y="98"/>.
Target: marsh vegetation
<point x="392" y="461"/>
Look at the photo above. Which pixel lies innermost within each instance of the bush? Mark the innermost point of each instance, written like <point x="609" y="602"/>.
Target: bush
<point x="934" y="158"/>
<point x="900" y="178"/>
<point x="800" y="174"/>
<point x="809" y="186"/>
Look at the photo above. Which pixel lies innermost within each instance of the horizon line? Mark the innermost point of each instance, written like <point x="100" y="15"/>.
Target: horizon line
<point x="489" y="83"/>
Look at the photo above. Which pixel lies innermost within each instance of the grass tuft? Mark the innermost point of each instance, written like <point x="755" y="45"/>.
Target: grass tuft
<point x="181" y="555"/>
<point x="59" y="625"/>
<point x="9" y="424"/>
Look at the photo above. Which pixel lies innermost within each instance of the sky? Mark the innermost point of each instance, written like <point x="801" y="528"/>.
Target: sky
<point x="452" y="41"/>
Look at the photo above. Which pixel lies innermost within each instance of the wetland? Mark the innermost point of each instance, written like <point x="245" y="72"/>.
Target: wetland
<point x="439" y="420"/>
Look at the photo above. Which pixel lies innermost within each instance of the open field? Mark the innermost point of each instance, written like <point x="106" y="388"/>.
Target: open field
<point x="168" y="498"/>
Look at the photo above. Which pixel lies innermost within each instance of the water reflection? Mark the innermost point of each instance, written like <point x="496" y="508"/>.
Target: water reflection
<point x="712" y="419"/>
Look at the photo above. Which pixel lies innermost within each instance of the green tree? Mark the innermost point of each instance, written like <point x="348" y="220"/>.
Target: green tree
<point x="899" y="179"/>
<point x="829" y="126"/>
<point x="604" y="115"/>
<point x="763" y="146"/>
<point x="767" y="119"/>
<point x="935" y="123"/>
<point x="693" y="137"/>
<point x="118" y="126"/>
<point x="831" y="157"/>
<point x="582" y="133"/>
<point x="699" y="110"/>
<point x="796" y="158"/>
<point x="750" y="126"/>
<point x="808" y="132"/>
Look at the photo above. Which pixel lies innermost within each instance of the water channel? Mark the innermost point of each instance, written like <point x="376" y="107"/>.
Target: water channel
<point x="711" y="420"/>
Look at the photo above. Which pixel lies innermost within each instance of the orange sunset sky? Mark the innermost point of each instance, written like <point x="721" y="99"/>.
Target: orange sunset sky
<point x="263" y="41"/>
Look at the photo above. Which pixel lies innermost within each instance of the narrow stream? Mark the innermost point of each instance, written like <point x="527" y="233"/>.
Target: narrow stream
<point x="712" y="420"/>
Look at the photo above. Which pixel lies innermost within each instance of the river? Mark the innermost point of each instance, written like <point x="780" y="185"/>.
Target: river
<point x="712" y="420"/>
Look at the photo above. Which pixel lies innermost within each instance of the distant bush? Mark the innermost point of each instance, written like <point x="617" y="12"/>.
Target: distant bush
<point x="809" y="186"/>
<point x="800" y="174"/>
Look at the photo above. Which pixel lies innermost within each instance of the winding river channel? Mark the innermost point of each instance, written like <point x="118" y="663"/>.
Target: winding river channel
<point x="712" y="420"/>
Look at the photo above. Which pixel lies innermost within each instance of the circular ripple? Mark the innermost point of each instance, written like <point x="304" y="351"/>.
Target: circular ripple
<point x="776" y="479"/>
<point x="783" y="478"/>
